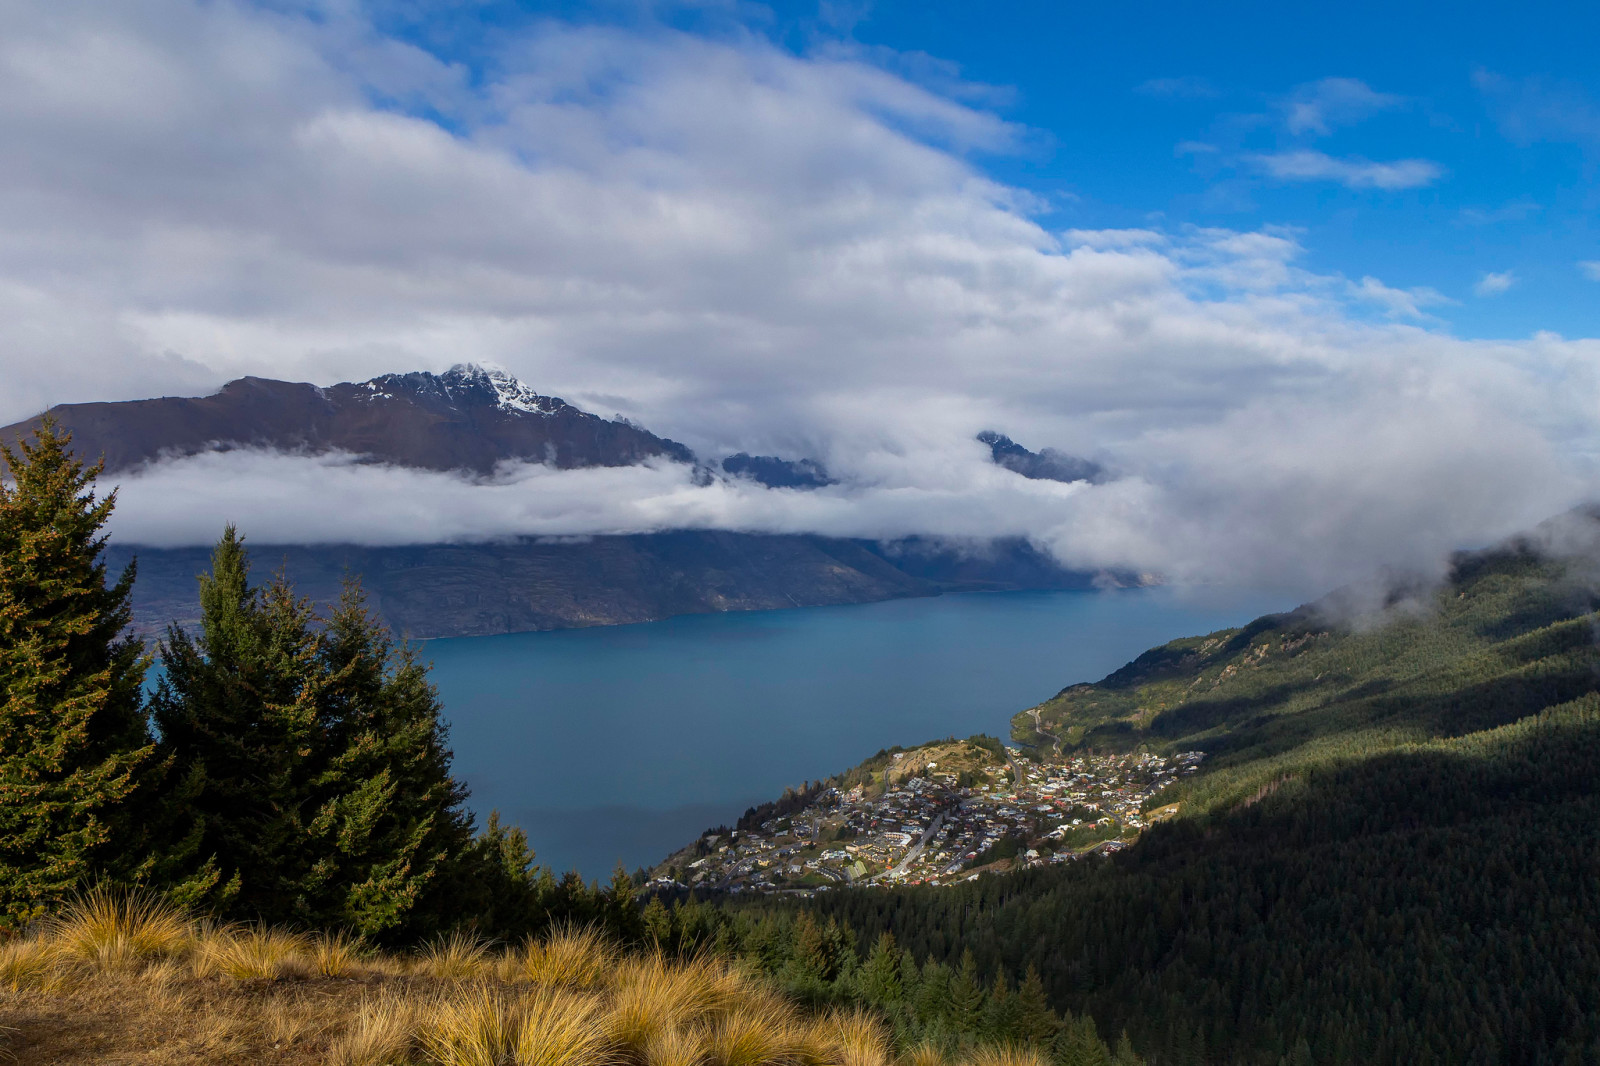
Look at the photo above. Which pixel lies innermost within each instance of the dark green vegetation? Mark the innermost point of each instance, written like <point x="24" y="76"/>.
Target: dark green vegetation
<point x="290" y="768"/>
<point x="955" y="1007"/>
<point x="73" y="738"/>
<point x="1392" y="854"/>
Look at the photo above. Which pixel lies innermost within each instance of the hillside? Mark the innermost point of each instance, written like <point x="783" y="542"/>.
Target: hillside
<point x="1509" y="634"/>
<point x="1387" y="852"/>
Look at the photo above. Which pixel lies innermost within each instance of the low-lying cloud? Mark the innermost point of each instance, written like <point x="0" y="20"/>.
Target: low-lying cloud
<point x="743" y="249"/>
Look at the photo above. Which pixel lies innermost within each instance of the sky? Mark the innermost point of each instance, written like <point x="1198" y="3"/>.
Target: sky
<point x="1318" y="285"/>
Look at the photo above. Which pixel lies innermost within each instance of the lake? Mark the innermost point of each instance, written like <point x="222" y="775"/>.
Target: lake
<point x="621" y="743"/>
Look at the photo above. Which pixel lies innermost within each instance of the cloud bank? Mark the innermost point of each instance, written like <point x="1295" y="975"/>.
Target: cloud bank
<point x="744" y="249"/>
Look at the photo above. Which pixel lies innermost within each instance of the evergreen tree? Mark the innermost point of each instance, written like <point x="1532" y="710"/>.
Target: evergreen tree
<point x="1000" y="1012"/>
<point x="933" y="991"/>
<point x="389" y="825"/>
<point x="310" y="771"/>
<point x="1036" y="1023"/>
<point x="1078" y="1044"/>
<point x="238" y="714"/>
<point x="878" y="979"/>
<point x="74" y="740"/>
<point x="966" y="996"/>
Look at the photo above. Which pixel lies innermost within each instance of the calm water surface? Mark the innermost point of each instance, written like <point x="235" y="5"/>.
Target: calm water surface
<point x="619" y="744"/>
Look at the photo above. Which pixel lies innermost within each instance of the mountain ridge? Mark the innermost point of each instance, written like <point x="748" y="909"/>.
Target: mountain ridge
<point x="467" y="418"/>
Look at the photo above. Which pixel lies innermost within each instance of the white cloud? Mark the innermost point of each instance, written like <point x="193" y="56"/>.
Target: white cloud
<point x="1492" y="284"/>
<point x="1398" y="303"/>
<point x="1308" y="165"/>
<point x="1590" y="268"/>
<point x="742" y="249"/>
<point x="1319" y="106"/>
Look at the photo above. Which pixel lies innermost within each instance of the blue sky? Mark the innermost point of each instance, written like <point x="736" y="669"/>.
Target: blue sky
<point x="1170" y="114"/>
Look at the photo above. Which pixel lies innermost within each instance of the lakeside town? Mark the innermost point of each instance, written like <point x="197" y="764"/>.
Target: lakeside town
<point x="940" y="814"/>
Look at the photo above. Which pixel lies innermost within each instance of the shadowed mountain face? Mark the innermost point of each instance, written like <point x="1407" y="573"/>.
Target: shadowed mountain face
<point x="1046" y="465"/>
<point x="777" y="473"/>
<point x="452" y="590"/>
<point x="466" y="419"/>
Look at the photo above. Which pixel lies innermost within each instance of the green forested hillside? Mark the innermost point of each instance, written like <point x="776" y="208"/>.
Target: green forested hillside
<point x="1511" y="633"/>
<point x="1392" y="854"/>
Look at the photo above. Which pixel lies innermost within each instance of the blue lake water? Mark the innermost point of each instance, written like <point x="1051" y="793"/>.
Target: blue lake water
<point x="619" y="744"/>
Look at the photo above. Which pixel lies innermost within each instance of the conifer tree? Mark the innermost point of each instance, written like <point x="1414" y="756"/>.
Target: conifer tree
<point x="879" y="977"/>
<point x="1035" y="1023"/>
<point x="966" y="996"/>
<point x="238" y="714"/>
<point x="1079" y="1044"/>
<point x="389" y="826"/>
<point x="74" y="740"/>
<point x="311" y="773"/>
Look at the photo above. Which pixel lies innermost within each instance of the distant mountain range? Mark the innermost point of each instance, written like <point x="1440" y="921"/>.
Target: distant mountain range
<point x="467" y="418"/>
<point x="471" y="419"/>
<point x="449" y="590"/>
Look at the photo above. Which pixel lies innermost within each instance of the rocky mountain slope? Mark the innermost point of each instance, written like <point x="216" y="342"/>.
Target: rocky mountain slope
<point x="467" y="418"/>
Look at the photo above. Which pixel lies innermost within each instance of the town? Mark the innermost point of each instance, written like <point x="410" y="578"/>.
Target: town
<point x="940" y="814"/>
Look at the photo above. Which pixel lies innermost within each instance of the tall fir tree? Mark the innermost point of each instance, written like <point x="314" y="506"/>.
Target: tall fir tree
<point x="878" y="979"/>
<point x="238" y="710"/>
<point x="390" y="833"/>
<point x="74" y="740"/>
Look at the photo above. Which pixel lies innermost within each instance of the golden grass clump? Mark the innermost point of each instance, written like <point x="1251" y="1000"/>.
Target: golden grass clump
<point x="29" y="962"/>
<point x="924" y="1054"/>
<point x="647" y="998"/>
<point x="1006" y="1055"/>
<point x="857" y="1038"/>
<point x="457" y="957"/>
<point x="336" y="955"/>
<point x="380" y="1033"/>
<point x="252" y="952"/>
<point x="675" y="1047"/>
<point x="560" y="1028"/>
<point x="572" y="958"/>
<point x="112" y="930"/>
<point x="746" y="1036"/>
<point x="477" y="1026"/>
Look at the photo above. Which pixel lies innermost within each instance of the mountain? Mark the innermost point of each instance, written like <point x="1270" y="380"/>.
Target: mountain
<point x="452" y="590"/>
<point x="1388" y="851"/>
<point x="467" y="418"/>
<point x="1046" y="465"/>
<point x="776" y="473"/>
<point x="471" y="419"/>
<point x="449" y="590"/>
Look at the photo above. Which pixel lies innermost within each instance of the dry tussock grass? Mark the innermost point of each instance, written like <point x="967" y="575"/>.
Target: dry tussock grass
<point x="130" y="981"/>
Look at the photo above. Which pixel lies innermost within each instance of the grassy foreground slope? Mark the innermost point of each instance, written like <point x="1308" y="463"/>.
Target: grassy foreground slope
<point x="1391" y="855"/>
<point x="130" y="980"/>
